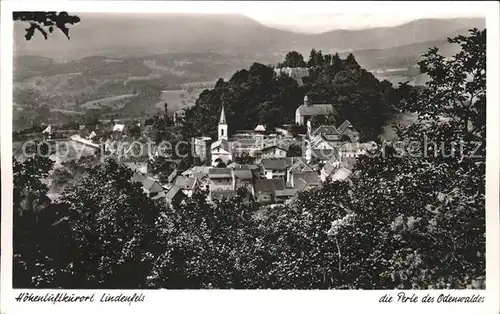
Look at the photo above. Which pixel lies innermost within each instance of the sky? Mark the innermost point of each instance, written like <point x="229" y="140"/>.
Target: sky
<point x="301" y="16"/>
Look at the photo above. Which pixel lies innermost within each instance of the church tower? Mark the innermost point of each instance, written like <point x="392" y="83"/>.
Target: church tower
<point x="222" y="135"/>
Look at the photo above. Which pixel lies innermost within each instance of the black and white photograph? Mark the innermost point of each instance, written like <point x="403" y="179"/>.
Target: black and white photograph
<point x="248" y="146"/>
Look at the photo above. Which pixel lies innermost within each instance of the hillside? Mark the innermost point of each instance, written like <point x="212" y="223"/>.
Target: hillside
<point x="125" y="34"/>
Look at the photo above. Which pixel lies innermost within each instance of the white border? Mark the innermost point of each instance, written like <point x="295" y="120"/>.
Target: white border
<point x="256" y="301"/>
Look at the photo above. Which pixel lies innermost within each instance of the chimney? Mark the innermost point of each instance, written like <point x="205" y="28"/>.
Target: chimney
<point x="306" y="101"/>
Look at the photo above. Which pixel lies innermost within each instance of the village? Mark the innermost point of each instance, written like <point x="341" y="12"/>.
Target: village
<point x="257" y="162"/>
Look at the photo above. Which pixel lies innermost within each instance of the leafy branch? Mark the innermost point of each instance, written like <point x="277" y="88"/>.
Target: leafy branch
<point x="45" y="22"/>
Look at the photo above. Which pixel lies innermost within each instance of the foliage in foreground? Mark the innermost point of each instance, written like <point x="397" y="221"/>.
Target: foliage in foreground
<point x="403" y="222"/>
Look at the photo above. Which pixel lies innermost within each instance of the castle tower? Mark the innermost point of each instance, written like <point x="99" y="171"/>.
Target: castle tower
<point x="222" y="134"/>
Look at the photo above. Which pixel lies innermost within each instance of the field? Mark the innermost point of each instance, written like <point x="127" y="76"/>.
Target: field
<point x="179" y="98"/>
<point x="111" y="101"/>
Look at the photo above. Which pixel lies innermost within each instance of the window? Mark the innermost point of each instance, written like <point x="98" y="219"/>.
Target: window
<point x="222" y="132"/>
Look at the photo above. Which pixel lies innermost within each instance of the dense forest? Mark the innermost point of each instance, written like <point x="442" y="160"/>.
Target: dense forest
<point x="259" y="96"/>
<point x="402" y="222"/>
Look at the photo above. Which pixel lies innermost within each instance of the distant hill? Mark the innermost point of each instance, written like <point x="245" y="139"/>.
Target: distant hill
<point x="398" y="64"/>
<point x="139" y="34"/>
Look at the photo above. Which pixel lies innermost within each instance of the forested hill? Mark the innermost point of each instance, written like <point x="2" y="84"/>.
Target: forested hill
<point x="257" y="95"/>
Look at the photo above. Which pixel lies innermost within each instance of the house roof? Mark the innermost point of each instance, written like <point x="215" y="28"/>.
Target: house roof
<point x="118" y="127"/>
<point x="341" y="174"/>
<point x="324" y="154"/>
<point x="173" y="192"/>
<point x="344" y="126"/>
<point x="316" y="110"/>
<point x="151" y="185"/>
<point x="222" y="194"/>
<point x="243" y="174"/>
<point x="275" y="163"/>
<point x="219" y="173"/>
<point x="269" y="185"/>
<point x="279" y="146"/>
<point x="301" y="180"/>
<point x="185" y="182"/>
<point x="299" y="166"/>
<point x="260" y="128"/>
<point x="220" y="143"/>
<point x="138" y="177"/>
<point x="286" y="192"/>
<point x="326" y="130"/>
<point x="48" y="129"/>
<point x="329" y="167"/>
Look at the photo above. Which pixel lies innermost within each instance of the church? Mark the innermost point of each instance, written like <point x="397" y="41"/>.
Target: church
<point x="307" y="110"/>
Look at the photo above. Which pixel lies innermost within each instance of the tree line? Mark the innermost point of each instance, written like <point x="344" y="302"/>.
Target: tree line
<point x="401" y="221"/>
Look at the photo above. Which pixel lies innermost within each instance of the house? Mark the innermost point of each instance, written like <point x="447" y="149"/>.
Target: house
<point x="296" y="73"/>
<point x="260" y="129"/>
<point x="221" y="194"/>
<point x="341" y="174"/>
<point x="307" y="110"/>
<point x="141" y="167"/>
<point x="325" y="137"/>
<point x="151" y="187"/>
<point x="187" y="185"/>
<point x="220" y="179"/>
<point x="200" y="147"/>
<point x="175" y="196"/>
<point x="346" y="128"/>
<point x="323" y="155"/>
<point x="304" y="180"/>
<point x="220" y="151"/>
<point x="283" y="196"/>
<point x="118" y="128"/>
<point x="265" y="190"/>
<point x="47" y="132"/>
<point x="351" y="150"/>
<point x="299" y="165"/>
<point x="274" y="151"/>
<point x="243" y="178"/>
<point x="329" y="168"/>
<point x="275" y="168"/>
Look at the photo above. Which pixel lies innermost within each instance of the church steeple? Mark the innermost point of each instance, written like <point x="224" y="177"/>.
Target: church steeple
<point x="222" y="134"/>
<point x="222" y="119"/>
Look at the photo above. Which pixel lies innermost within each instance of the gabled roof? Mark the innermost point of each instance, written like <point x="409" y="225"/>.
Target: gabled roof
<point x="220" y="143"/>
<point x="151" y="185"/>
<point x="173" y="192"/>
<point x="138" y="177"/>
<point x="341" y="174"/>
<point x="118" y="127"/>
<point x="279" y="146"/>
<point x="243" y="174"/>
<point x="185" y="183"/>
<point x="219" y="173"/>
<point x="326" y="129"/>
<point x="260" y="128"/>
<point x="316" y="110"/>
<point x="275" y="163"/>
<point x="344" y="126"/>
<point x="299" y="166"/>
<point x="324" y="154"/>
<point x="48" y="129"/>
<point x="302" y="180"/>
<point x="269" y="185"/>
<point x="329" y="167"/>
